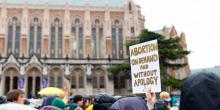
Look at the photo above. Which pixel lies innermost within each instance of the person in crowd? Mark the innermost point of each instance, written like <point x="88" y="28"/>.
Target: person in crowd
<point x="47" y="101"/>
<point x="49" y="108"/>
<point x="59" y="103"/>
<point x="90" y="107"/>
<point x="16" y="96"/>
<point x="77" y="103"/>
<point x="103" y="101"/>
<point x="201" y="91"/>
<point x="130" y="103"/>
<point x="86" y="102"/>
<point x="3" y="100"/>
<point x="165" y="101"/>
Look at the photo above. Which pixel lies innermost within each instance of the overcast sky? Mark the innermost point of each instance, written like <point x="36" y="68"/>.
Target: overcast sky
<point x="198" y="19"/>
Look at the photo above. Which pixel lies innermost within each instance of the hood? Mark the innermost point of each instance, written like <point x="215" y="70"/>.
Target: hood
<point x="103" y="101"/>
<point x="130" y="103"/>
<point x="49" y="108"/>
<point x="48" y="100"/>
<point x="3" y="100"/>
<point x="104" y="98"/>
<point x="201" y="91"/>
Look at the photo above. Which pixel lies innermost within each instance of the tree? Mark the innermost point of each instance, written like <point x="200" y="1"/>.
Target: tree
<point x="169" y="50"/>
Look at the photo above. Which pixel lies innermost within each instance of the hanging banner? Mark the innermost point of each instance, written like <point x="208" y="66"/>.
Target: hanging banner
<point x="44" y="82"/>
<point x="145" y="67"/>
<point x="21" y="83"/>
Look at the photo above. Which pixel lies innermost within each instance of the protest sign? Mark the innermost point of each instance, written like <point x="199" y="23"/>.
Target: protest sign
<point x="145" y="69"/>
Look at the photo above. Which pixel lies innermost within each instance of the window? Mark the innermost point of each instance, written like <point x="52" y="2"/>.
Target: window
<point x="129" y="6"/>
<point x="120" y="36"/>
<point x="80" y="42"/>
<point x="60" y="42"/>
<point x="35" y="33"/>
<point x="102" y="82"/>
<point x="81" y="82"/>
<point x="56" y="43"/>
<point x="101" y="44"/>
<point x="116" y="83"/>
<point x="78" y="38"/>
<point x="117" y="39"/>
<point x="14" y="33"/>
<point x="132" y="30"/>
<point x="15" y="82"/>
<point x="122" y="82"/>
<point x="17" y="41"/>
<point x="73" y="82"/>
<point x="31" y="42"/>
<point x="52" y="42"/>
<point x="97" y="39"/>
<point x="39" y="40"/>
<point x="52" y="81"/>
<point x="94" y="49"/>
<point x="95" y="82"/>
<point x="59" y="81"/>
<point x="10" y="36"/>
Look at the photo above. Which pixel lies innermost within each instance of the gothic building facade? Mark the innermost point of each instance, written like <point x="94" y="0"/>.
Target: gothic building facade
<point x="43" y="42"/>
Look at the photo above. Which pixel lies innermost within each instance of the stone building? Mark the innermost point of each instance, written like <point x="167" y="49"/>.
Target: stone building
<point x="180" y="73"/>
<point x="44" y="41"/>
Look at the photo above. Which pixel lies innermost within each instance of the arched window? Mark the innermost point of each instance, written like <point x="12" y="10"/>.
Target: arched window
<point x="77" y="79"/>
<point x="117" y="39"/>
<point x="77" y="38"/>
<point x="56" y="78"/>
<point x="97" y="39"/>
<point x="35" y="37"/>
<point x="56" y="39"/>
<point x="98" y="78"/>
<point x="11" y="79"/>
<point x="14" y="33"/>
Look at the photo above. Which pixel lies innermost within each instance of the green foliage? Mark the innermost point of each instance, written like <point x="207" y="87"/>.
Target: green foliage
<point x="169" y="50"/>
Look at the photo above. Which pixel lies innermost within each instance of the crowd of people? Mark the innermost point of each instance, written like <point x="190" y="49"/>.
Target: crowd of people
<point x="199" y="92"/>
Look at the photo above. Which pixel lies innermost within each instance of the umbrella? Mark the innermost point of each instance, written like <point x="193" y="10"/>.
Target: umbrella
<point x="51" y="91"/>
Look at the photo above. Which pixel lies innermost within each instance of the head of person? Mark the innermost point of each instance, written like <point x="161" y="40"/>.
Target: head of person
<point x="164" y="96"/>
<point x="201" y="91"/>
<point x="78" y="99"/>
<point x="129" y="103"/>
<point x="103" y="101"/>
<point x="58" y="102"/>
<point x="16" y="96"/>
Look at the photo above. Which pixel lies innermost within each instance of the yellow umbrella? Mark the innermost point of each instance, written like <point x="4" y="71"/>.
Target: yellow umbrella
<point x="51" y="91"/>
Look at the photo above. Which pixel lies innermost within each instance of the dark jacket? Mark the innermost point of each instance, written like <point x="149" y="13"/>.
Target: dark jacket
<point x="201" y="91"/>
<point x="130" y="103"/>
<point x="48" y="101"/>
<point x="103" y="102"/>
<point x="3" y="100"/>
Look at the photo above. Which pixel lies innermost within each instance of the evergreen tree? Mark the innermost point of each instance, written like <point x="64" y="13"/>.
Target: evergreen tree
<point x="169" y="50"/>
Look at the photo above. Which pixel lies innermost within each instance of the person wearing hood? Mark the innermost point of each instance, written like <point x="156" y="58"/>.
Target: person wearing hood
<point x="3" y="100"/>
<point x="47" y="101"/>
<point x="103" y="101"/>
<point x="130" y="103"/>
<point x="201" y="91"/>
<point x="77" y="103"/>
<point x="59" y="103"/>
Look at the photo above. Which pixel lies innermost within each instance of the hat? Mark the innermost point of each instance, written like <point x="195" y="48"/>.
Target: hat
<point x="58" y="102"/>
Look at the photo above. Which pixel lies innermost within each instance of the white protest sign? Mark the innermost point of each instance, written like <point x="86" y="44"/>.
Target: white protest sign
<point x="145" y="69"/>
